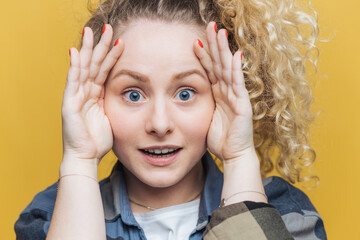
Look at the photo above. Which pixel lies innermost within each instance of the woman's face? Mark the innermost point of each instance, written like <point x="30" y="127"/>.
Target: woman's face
<point x="158" y="98"/>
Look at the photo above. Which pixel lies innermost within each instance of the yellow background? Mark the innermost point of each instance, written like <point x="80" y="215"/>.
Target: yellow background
<point x="34" y="43"/>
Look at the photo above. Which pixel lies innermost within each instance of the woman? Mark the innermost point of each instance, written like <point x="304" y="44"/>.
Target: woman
<point x="156" y="82"/>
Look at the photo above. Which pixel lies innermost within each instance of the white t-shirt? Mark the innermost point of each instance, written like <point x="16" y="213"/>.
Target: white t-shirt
<point x="175" y="222"/>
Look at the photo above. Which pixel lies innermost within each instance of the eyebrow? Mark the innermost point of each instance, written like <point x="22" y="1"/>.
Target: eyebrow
<point x="144" y="78"/>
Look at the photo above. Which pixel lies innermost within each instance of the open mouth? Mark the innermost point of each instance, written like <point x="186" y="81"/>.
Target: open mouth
<point x="157" y="153"/>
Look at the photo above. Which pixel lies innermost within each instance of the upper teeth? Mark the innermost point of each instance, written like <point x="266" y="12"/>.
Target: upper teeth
<point x="158" y="151"/>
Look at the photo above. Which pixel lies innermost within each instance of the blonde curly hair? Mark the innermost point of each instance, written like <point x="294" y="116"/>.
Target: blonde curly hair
<point x="275" y="48"/>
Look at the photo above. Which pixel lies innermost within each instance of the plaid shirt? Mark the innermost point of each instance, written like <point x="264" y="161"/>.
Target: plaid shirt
<point x="288" y="215"/>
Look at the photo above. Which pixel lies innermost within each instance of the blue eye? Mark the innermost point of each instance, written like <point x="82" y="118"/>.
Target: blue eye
<point x="133" y="96"/>
<point x="185" y="94"/>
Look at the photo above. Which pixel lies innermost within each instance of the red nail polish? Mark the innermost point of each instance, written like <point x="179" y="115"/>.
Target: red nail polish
<point x="104" y="28"/>
<point x="215" y="27"/>
<point x="70" y="52"/>
<point x="226" y="33"/>
<point x="241" y="55"/>
<point x="83" y="31"/>
<point x="116" y="43"/>
<point x="200" y="43"/>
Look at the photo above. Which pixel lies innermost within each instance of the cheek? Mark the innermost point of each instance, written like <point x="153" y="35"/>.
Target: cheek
<point x="118" y="118"/>
<point x="198" y="122"/>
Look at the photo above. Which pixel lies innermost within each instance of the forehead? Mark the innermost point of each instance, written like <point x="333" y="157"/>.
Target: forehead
<point x="155" y="45"/>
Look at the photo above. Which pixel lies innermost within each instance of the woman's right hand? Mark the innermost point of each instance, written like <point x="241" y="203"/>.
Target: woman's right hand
<point x="87" y="133"/>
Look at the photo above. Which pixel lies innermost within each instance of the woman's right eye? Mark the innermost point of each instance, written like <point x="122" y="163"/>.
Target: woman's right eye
<point x="133" y="96"/>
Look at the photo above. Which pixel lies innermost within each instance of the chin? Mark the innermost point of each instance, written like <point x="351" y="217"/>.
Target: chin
<point x="161" y="179"/>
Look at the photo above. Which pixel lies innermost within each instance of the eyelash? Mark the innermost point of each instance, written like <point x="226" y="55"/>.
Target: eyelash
<point x="129" y="91"/>
<point x="189" y="89"/>
<point x="140" y="92"/>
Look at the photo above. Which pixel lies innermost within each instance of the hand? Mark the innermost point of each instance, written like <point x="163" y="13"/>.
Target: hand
<point x="86" y="129"/>
<point x="230" y="134"/>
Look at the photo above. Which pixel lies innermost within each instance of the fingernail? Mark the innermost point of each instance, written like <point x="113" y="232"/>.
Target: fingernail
<point x="116" y="43"/>
<point x="226" y="33"/>
<point x="104" y="28"/>
<point x="83" y="31"/>
<point x="215" y="27"/>
<point x="70" y="52"/>
<point x="200" y="43"/>
<point x="241" y="55"/>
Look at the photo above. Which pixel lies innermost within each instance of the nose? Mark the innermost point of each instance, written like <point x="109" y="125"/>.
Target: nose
<point x="159" y="122"/>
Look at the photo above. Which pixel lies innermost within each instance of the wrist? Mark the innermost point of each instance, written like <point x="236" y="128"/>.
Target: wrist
<point x="72" y="165"/>
<point x="244" y="174"/>
<point x="242" y="179"/>
<point x="246" y="159"/>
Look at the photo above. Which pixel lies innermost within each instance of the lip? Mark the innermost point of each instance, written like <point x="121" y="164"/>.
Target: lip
<point x="160" y="161"/>
<point x="161" y="147"/>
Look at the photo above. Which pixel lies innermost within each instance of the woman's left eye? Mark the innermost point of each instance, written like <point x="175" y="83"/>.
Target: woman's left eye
<point x="185" y="94"/>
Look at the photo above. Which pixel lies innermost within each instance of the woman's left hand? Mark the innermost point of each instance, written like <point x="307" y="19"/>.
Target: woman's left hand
<point x="230" y="134"/>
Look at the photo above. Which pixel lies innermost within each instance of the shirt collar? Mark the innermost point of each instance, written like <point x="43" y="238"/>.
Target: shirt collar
<point x="116" y="201"/>
<point x="115" y="197"/>
<point x="211" y="195"/>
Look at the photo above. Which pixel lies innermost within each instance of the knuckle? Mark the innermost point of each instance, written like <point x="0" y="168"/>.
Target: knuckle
<point x="217" y="70"/>
<point x="105" y="72"/>
<point x="100" y="76"/>
<point x="226" y="68"/>
<point x="226" y="76"/>
<point x="92" y="77"/>
<point x="113" y="57"/>
<point x="84" y="69"/>
<point x="96" y="62"/>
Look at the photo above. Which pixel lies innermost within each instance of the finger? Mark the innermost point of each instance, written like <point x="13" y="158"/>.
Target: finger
<point x="238" y="75"/>
<point x="74" y="69"/>
<point x="213" y="49"/>
<point x="72" y="80"/>
<point x="100" y="51"/>
<point x="225" y="56"/>
<point x="205" y="60"/>
<point x="86" y="53"/>
<point x="110" y="61"/>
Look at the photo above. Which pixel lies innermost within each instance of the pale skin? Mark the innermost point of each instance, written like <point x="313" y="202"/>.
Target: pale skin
<point x="87" y="134"/>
